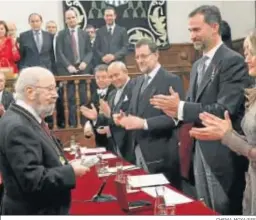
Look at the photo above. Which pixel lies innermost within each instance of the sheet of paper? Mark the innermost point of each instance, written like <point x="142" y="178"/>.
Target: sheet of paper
<point x="108" y="156"/>
<point x="88" y="161"/>
<point x="95" y="150"/>
<point x="148" y="180"/>
<point x="171" y="197"/>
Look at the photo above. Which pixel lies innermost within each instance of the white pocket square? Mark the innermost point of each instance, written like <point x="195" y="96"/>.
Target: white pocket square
<point x="125" y="99"/>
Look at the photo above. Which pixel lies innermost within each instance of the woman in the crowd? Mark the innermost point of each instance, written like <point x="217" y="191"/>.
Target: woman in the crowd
<point x="12" y="32"/>
<point x="9" y="53"/>
<point x="221" y="129"/>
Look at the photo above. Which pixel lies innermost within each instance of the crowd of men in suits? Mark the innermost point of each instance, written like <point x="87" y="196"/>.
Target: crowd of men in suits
<point x="137" y="119"/>
<point x="72" y="51"/>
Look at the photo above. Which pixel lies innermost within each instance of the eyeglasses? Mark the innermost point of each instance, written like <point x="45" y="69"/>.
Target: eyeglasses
<point x="142" y="56"/>
<point x="48" y="88"/>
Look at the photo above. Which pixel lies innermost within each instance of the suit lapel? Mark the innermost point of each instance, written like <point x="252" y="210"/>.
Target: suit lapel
<point x="106" y="36"/>
<point x="211" y="70"/>
<point x="68" y="40"/>
<point x="193" y="85"/>
<point x="37" y="127"/>
<point x="111" y="101"/>
<point x="114" y="33"/>
<point x="149" y="92"/>
<point x="4" y="97"/>
<point x="136" y="94"/>
<point x="120" y="101"/>
<point x="33" y="41"/>
<point x="44" y="40"/>
<point x="80" y="43"/>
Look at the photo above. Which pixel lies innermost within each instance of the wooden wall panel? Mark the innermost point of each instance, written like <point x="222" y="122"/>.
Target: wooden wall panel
<point x="178" y="58"/>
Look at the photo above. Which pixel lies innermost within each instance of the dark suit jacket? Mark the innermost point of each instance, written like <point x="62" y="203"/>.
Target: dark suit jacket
<point x="29" y="53"/>
<point x="101" y="139"/>
<point x="7" y="99"/>
<point x="116" y="44"/>
<point x="119" y="134"/>
<point x="35" y="180"/>
<point x="158" y="144"/>
<point x="222" y="88"/>
<point x="95" y="98"/>
<point x="64" y="54"/>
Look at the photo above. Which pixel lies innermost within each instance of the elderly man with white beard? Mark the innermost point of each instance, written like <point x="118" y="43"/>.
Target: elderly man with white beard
<point x="37" y="177"/>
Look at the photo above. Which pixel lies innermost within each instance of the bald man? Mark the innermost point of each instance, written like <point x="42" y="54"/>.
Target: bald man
<point x="37" y="177"/>
<point x="51" y="27"/>
<point x="12" y="30"/>
<point x="119" y="100"/>
<point x="36" y="45"/>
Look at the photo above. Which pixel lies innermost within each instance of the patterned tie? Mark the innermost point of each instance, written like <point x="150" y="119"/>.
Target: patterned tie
<point x="145" y="83"/>
<point x="201" y="69"/>
<point x="38" y="41"/>
<point x="74" y="45"/>
<point x="110" y="31"/>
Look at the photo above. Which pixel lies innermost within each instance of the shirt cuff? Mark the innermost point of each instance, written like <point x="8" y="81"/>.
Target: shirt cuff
<point x="180" y="110"/>
<point x="145" y="125"/>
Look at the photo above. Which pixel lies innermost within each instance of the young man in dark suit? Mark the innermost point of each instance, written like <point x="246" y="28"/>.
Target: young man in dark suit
<point x="37" y="177"/>
<point x="153" y="137"/>
<point x="217" y="83"/>
<point x="73" y="54"/>
<point x="111" y="43"/>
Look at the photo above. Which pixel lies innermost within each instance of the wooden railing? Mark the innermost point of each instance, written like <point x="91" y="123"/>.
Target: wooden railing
<point x="88" y="78"/>
<point x="64" y="80"/>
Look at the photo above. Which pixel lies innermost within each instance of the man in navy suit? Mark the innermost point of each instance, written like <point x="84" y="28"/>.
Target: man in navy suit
<point x="36" y="45"/>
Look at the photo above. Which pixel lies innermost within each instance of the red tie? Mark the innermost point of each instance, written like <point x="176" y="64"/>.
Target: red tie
<point x="45" y="127"/>
<point x="74" y="45"/>
<point x="185" y="149"/>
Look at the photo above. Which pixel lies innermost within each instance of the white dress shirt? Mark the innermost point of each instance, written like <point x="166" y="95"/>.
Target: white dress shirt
<point x="112" y="27"/>
<point x="54" y="46"/>
<point x="102" y="92"/>
<point x="210" y="54"/>
<point x="29" y="109"/>
<point x="1" y="95"/>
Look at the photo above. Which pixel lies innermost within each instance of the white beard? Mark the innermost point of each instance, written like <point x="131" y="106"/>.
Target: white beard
<point x="45" y="110"/>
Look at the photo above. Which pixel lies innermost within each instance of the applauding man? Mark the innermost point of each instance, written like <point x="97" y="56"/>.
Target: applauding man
<point x="153" y="135"/>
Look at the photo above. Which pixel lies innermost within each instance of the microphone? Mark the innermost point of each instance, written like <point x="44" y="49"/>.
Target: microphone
<point x="99" y="197"/>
